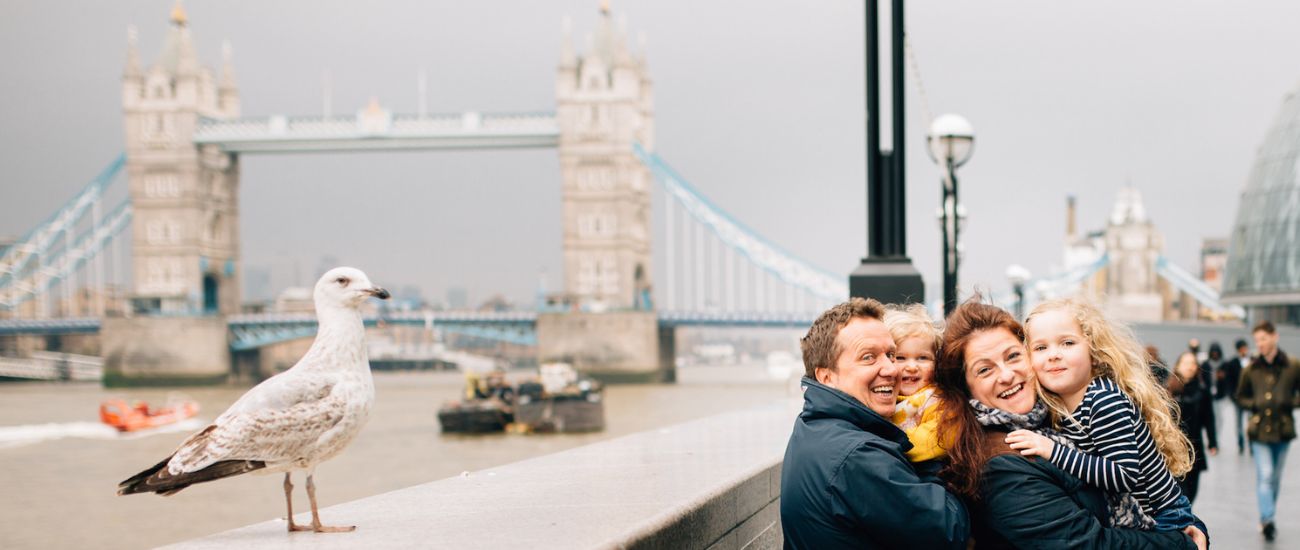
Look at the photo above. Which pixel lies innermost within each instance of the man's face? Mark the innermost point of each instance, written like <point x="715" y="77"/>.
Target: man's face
<point x="1243" y="351"/>
<point x="1266" y="343"/>
<point x="865" y="366"/>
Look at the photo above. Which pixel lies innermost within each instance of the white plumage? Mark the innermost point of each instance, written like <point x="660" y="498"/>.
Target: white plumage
<point x="293" y="420"/>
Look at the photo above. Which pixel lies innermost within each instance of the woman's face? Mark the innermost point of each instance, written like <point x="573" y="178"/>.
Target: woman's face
<point x="997" y="371"/>
<point x="1186" y="367"/>
<point x="915" y="361"/>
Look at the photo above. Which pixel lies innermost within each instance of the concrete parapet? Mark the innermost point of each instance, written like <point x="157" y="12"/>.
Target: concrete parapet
<point x="712" y="483"/>
<point x="618" y="346"/>
<point x="165" y="351"/>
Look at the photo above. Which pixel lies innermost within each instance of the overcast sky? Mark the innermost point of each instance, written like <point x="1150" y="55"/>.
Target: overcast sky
<point x="758" y="103"/>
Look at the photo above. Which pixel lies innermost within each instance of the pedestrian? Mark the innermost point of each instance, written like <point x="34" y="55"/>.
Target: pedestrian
<point x="1195" y="417"/>
<point x="1226" y="379"/>
<point x="1213" y="360"/>
<point x="1269" y="389"/>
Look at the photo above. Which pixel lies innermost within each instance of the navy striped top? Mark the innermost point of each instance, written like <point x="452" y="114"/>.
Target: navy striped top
<point x="1115" y="449"/>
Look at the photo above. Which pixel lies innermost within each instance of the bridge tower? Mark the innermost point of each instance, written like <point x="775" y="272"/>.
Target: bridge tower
<point x="185" y="245"/>
<point x="1133" y="290"/>
<point x="604" y="105"/>
<point x="185" y="242"/>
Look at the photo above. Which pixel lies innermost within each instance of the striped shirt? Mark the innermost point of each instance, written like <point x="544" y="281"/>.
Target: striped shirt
<point x="1115" y="449"/>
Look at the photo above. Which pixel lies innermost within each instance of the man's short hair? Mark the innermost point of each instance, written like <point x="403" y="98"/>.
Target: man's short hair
<point x="821" y="345"/>
<point x="1266" y="326"/>
<point x="1241" y="343"/>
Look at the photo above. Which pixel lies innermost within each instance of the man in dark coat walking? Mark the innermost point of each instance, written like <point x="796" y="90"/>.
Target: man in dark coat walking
<point x="1270" y="390"/>
<point x="845" y="482"/>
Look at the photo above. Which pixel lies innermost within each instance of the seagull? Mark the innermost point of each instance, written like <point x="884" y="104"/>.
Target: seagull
<point x="293" y="420"/>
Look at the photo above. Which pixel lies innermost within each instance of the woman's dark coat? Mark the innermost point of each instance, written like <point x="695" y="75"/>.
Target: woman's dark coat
<point x="1196" y="417"/>
<point x="1030" y="503"/>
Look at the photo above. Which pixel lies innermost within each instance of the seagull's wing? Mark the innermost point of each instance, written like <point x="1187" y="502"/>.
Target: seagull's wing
<point x="272" y="423"/>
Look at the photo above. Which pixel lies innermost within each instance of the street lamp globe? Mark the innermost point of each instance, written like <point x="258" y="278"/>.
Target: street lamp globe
<point x="1017" y="275"/>
<point x="951" y="140"/>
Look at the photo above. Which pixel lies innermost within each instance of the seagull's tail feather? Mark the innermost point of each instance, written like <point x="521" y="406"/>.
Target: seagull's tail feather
<point x="158" y="480"/>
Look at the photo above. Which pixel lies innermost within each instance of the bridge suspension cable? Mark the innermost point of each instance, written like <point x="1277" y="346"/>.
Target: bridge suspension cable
<point x="714" y="263"/>
<point x="49" y="254"/>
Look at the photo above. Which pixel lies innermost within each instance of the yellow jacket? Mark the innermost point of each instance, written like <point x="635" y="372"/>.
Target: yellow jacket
<point x="918" y="416"/>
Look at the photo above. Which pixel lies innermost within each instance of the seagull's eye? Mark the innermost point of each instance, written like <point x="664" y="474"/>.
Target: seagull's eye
<point x="342" y="281"/>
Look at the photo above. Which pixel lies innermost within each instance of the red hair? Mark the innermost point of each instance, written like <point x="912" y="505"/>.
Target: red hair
<point x="967" y="451"/>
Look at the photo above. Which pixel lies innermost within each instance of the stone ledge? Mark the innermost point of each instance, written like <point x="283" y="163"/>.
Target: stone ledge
<point x="709" y="483"/>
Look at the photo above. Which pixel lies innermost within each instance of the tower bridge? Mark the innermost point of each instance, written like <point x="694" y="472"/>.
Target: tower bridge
<point x="185" y="134"/>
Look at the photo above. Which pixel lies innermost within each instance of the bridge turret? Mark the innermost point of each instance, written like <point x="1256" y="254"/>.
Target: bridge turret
<point x="604" y="106"/>
<point x="132" y="74"/>
<point x="227" y="90"/>
<point x="185" y="251"/>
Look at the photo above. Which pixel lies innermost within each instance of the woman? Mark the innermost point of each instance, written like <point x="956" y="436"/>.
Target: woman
<point x="1196" y="416"/>
<point x="1016" y="502"/>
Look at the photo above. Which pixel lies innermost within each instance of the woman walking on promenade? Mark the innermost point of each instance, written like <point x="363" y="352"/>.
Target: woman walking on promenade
<point x="1196" y="417"/>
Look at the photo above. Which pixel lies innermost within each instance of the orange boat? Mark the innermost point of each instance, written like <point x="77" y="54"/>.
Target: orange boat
<point x="129" y="418"/>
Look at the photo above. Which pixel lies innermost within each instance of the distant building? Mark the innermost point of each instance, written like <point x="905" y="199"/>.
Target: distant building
<point x="295" y="299"/>
<point x="457" y="298"/>
<point x="1263" y="267"/>
<point x="257" y="284"/>
<point x="1118" y="267"/>
<point x="1214" y="258"/>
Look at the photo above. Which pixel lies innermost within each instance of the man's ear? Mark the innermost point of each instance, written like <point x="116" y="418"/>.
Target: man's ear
<point x="825" y="376"/>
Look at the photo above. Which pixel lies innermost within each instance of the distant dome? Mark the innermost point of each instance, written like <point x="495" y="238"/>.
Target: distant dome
<point x="1264" y="251"/>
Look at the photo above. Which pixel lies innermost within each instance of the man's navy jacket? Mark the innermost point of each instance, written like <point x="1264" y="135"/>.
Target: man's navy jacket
<point x="846" y="483"/>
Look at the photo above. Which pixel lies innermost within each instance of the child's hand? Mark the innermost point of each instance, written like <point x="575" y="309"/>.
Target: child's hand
<point x="1030" y="443"/>
<point x="1197" y="536"/>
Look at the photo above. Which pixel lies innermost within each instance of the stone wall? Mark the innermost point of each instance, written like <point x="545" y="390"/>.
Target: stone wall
<point x="165" y="350"/>
<point x="622" y="346"/>
<point x="712" y="483"/>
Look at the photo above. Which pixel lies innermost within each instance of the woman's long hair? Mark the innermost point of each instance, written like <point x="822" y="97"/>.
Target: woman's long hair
<point x="1117" y="354"/>
<point x="967" y="451"/>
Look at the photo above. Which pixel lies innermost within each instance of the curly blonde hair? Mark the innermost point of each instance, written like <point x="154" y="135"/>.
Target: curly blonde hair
<point x="1117" y="354"/>
<point x="913" y="321"/>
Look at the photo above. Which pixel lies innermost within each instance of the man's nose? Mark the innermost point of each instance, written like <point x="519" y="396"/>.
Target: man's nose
<point x="889" y="369"/>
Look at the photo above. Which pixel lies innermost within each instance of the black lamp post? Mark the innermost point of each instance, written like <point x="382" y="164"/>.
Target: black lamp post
<point x="886" y="274"/>
<point x="951" y="143"/>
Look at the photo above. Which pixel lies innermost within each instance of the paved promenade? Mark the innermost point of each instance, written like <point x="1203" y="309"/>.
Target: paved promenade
<point x="1227" y="501"/>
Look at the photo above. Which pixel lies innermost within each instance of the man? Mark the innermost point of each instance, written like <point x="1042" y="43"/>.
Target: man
<point x="845" y="482"/>
<point x="1226" y="379"/>
<point x="1269" y="389"/>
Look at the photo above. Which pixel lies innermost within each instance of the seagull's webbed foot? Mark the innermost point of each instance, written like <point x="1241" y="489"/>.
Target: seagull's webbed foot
<point x="331" y="528"/>
<point x="315" y="515"/>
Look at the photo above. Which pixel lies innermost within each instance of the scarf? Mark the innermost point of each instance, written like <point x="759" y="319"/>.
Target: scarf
<point x="907" y="414"/>
<point x="1125" y="510"/>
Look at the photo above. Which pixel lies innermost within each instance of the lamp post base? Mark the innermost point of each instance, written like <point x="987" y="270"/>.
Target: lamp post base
<point x="889" y="280"/>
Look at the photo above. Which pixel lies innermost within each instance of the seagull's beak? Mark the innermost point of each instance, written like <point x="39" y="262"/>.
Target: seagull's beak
<point x="379" y="293"/>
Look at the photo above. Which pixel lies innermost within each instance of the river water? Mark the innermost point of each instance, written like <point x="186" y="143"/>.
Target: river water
<point x="59" y="467"/>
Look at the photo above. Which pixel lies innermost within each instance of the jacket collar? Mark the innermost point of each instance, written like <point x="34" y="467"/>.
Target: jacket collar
<point x="1279" y="360"/>
<point x="822" y="401"/>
